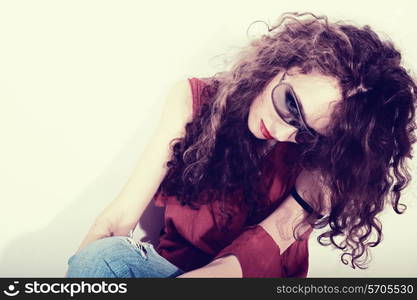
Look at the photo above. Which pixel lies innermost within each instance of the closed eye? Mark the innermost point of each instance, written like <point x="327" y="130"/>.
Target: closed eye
<point x="294" y="123"/>
<point x="290" y="102"/>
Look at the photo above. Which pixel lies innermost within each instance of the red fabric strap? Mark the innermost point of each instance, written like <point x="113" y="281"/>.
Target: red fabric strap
<point x="257" y="252"/>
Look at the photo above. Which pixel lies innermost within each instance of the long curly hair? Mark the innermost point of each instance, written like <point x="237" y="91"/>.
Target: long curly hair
<point x="361" y="157"/>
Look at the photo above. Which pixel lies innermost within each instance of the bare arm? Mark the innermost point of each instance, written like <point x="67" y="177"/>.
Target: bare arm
<point x="151" y="166"/>
<point x="122" y="214"/>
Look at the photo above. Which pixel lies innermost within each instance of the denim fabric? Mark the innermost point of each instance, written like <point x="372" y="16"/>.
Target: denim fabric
<point x="120" y="257"/>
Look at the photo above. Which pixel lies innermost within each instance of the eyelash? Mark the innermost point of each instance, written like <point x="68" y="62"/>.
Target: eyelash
<point x="291" y="103"/>
<point x="294" y="123"/>
<point x="293" y="109"/>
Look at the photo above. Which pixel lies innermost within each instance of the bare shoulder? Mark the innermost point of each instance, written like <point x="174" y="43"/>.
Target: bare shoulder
<point x="182" y="87"/>
<point x="178" y="109"/>
<point x="180" y="98"/>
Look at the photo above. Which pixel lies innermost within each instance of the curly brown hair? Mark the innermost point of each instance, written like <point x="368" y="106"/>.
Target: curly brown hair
<point x="362" y="156"/>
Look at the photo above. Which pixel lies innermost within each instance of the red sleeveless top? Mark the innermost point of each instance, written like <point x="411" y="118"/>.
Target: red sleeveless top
<point x="191" y="238"/>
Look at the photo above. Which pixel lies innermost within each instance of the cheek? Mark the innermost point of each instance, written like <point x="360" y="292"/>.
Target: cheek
<point x="256" y="113"/>
<point x="262" y="108"/>
<point x="252" y="115"/>
<point x="254" y="109"/>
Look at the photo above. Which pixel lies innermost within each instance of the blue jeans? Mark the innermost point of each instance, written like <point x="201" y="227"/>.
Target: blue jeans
<point x="120" y="257"/>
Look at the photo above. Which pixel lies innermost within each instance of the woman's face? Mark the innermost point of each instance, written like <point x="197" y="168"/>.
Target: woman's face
<point x="316" y="94"/>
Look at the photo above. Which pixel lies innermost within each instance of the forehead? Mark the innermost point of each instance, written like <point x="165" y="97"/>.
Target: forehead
<point x="317" y="94"/>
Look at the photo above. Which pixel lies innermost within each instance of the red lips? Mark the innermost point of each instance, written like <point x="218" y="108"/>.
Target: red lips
<point x="265" y="131"/>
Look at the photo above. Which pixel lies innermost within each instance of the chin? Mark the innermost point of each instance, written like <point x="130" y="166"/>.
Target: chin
<point x="254" y="128"/>
<point x="257" y="134"/>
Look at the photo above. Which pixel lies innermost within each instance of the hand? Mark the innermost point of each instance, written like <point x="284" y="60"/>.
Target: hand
<point x="115" y="220"/>
<point x="310" y="186"/>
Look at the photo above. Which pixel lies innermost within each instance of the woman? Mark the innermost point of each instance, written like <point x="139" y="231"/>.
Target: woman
<point x="310" y="127"/>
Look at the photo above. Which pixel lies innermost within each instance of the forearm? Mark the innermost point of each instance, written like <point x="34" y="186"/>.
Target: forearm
<point x="277" y="225"/>
<point x="280" y="227"/>
<point x="226" y="266"/>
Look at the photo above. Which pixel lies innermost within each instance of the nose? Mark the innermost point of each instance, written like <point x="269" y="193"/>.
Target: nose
<point x="286" y="134"/>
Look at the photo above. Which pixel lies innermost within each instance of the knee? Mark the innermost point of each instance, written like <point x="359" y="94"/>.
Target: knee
<point x="93" y="260"/>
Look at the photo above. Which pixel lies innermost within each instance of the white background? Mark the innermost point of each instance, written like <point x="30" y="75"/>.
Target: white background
<point x="81" y="85"/>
